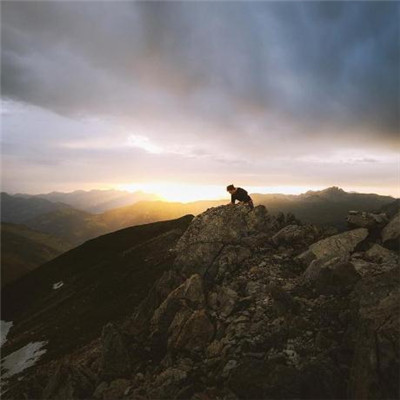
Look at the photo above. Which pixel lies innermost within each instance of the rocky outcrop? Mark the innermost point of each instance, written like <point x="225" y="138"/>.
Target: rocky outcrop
<point x="264" y="307"/>
<point x="222" y="232"/>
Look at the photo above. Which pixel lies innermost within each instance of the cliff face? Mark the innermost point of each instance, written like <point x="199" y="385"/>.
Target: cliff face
<point x="253" y="306"/>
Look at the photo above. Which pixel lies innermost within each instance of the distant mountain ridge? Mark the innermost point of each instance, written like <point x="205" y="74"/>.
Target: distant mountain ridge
<point x="17" y="209"/>
<point x="326" y="207"/>
<point x="94" y="201"/>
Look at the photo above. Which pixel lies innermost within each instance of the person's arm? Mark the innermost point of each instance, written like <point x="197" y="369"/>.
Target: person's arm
<point x="232" y="199"/>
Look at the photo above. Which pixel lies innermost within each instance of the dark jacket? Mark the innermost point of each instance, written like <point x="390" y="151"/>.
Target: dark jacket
<point x="240" y="195"/>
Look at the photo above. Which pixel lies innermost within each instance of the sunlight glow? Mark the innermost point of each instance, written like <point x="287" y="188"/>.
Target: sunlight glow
<point x="180" y="192"/>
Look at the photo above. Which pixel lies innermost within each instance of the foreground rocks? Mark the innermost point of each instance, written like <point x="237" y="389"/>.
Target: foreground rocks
<point x="254" y="307"/>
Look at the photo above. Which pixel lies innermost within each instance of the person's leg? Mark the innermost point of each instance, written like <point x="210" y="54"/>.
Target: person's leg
<point x="250" y="204"/>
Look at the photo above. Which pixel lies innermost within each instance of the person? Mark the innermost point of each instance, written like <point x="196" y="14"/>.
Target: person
<point x="240" y="195"/>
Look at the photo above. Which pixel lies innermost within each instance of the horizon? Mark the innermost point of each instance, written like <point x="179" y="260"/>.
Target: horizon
<point x="215" y="192"/>
<point x="288" y="95"/>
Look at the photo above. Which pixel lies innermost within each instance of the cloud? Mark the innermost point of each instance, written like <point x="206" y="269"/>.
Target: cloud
<point x="233" y="87"/>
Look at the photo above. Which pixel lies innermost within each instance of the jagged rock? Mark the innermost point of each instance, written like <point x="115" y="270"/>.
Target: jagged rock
<point x="227" y="261"/>
<point x="362" y="219"/>
<point x="338" y="245"/>
<point x="177" y="325"/>
<point x="375" y="369"/>
<point x="222" y="300"/>
<point x="196" y="333"/>
<point x="291" y="234"/>
<point x="115" y="360"/>
<point x="139" y="321"/>
<point x="332" y="275"/>
<point x="189" y="293"/>
<point x="214" y="229"/>
<point x="380" y="254"/>
<point x="69" y="382"/>
<point x="391" y="233"/>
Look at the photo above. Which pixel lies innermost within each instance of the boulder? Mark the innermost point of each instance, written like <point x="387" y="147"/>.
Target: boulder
<point x="341" y="244"/>
<point x="332" y="275"/>
<point x="380" y="255"/>
<point x="211" y="231"/>
<point x="362" y="219"/>
<point x="292" y="234"/>
<point x="391" y="233"/>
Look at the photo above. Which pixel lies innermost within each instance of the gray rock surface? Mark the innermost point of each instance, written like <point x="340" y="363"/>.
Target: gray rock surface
<point x="391" y="232"/>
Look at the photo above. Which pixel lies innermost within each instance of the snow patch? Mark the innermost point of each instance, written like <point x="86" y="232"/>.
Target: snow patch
<point x="58" y="285"/>
<point x="4" y="329"/>
<point x="19" y="360"/>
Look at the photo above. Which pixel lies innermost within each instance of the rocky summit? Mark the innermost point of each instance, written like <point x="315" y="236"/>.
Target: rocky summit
<point x="251" y="306"/>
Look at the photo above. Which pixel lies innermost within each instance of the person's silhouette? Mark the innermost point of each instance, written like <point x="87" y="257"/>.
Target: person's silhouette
<point x="240" y="195"/>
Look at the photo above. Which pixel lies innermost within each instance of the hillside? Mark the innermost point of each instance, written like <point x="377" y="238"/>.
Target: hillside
<point x="23" y="249"/>
<point x="233" y="304"/>
<point x="18" y="209"/>
<point x="101" y="281"/>
<point x="94" y="201"/>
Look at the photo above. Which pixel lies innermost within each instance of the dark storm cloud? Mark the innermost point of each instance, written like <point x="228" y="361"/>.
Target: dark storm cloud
<point x="280" y="92"/>
<point x="319" y="64"/>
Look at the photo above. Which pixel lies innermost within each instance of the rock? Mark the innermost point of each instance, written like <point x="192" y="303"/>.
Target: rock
<point x="333" y="275"/>
<point x="284" y="302"/>
<point x="100" y="389"/>
<point x="222" y="300"/>
<point x="292" y="234"/>
<point x="227" y="261"/>
<point x="380" y="254"/>
<point x="362" y="219"/>
<point x="115" y="360"/>
<point x="338" y="245"/>
<point x="168" y="384"/>
<point x="210" y="231"/>
<point x="229" y="366"/>
<point x="391" y="233"/>
<point x="214" y="349"/>
<point x="196" y="334"/>
<point x="69" y="382"/>
<point x="116" y="389"/>
<point x="190" y="293"/>
<point x="375" y="368"/>
<point x="254" y="287"/>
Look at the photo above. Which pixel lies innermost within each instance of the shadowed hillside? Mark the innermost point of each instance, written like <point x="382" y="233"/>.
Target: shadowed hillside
<point x="102" y="279"/>
<point x="23" y="249"/>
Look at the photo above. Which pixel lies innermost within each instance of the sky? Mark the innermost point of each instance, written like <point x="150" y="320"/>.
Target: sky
<point x="188" y="97"/>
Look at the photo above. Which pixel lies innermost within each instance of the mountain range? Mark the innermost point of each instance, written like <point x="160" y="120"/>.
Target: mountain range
<point x="71" y="226"/>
